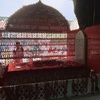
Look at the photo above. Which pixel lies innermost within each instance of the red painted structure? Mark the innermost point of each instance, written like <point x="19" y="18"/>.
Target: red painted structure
<point x="71" y="45"/>
<point x="51" y="26"/>
<point x="93" y="47"/>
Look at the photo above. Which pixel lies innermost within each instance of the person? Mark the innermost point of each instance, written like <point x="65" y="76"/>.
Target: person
<point x="35" y="49"/>
<point x="1" y="49"/>
<point x="18" y="52"/>
<point x="0" y="54"/>
<point x="94" y="80"/>
<point x="63" y="49"/>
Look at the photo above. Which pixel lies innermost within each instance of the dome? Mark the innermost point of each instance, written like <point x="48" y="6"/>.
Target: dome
<point x="37" y="18"/>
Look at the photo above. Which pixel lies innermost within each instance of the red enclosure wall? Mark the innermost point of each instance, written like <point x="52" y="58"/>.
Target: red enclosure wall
<point x="93" y="47"/>
<point x="71" y="45"/>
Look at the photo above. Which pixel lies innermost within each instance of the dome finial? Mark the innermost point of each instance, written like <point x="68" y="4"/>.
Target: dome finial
<point x="40" y="1"/>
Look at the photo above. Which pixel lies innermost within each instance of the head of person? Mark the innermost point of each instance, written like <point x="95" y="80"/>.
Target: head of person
<point x="17" y="44"/>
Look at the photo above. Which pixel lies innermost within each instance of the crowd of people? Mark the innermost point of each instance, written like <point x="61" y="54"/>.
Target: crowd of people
<point x="22" y="50"/>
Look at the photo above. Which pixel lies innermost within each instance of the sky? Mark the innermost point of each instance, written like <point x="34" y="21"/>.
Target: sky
<point x="65" y="7"/>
